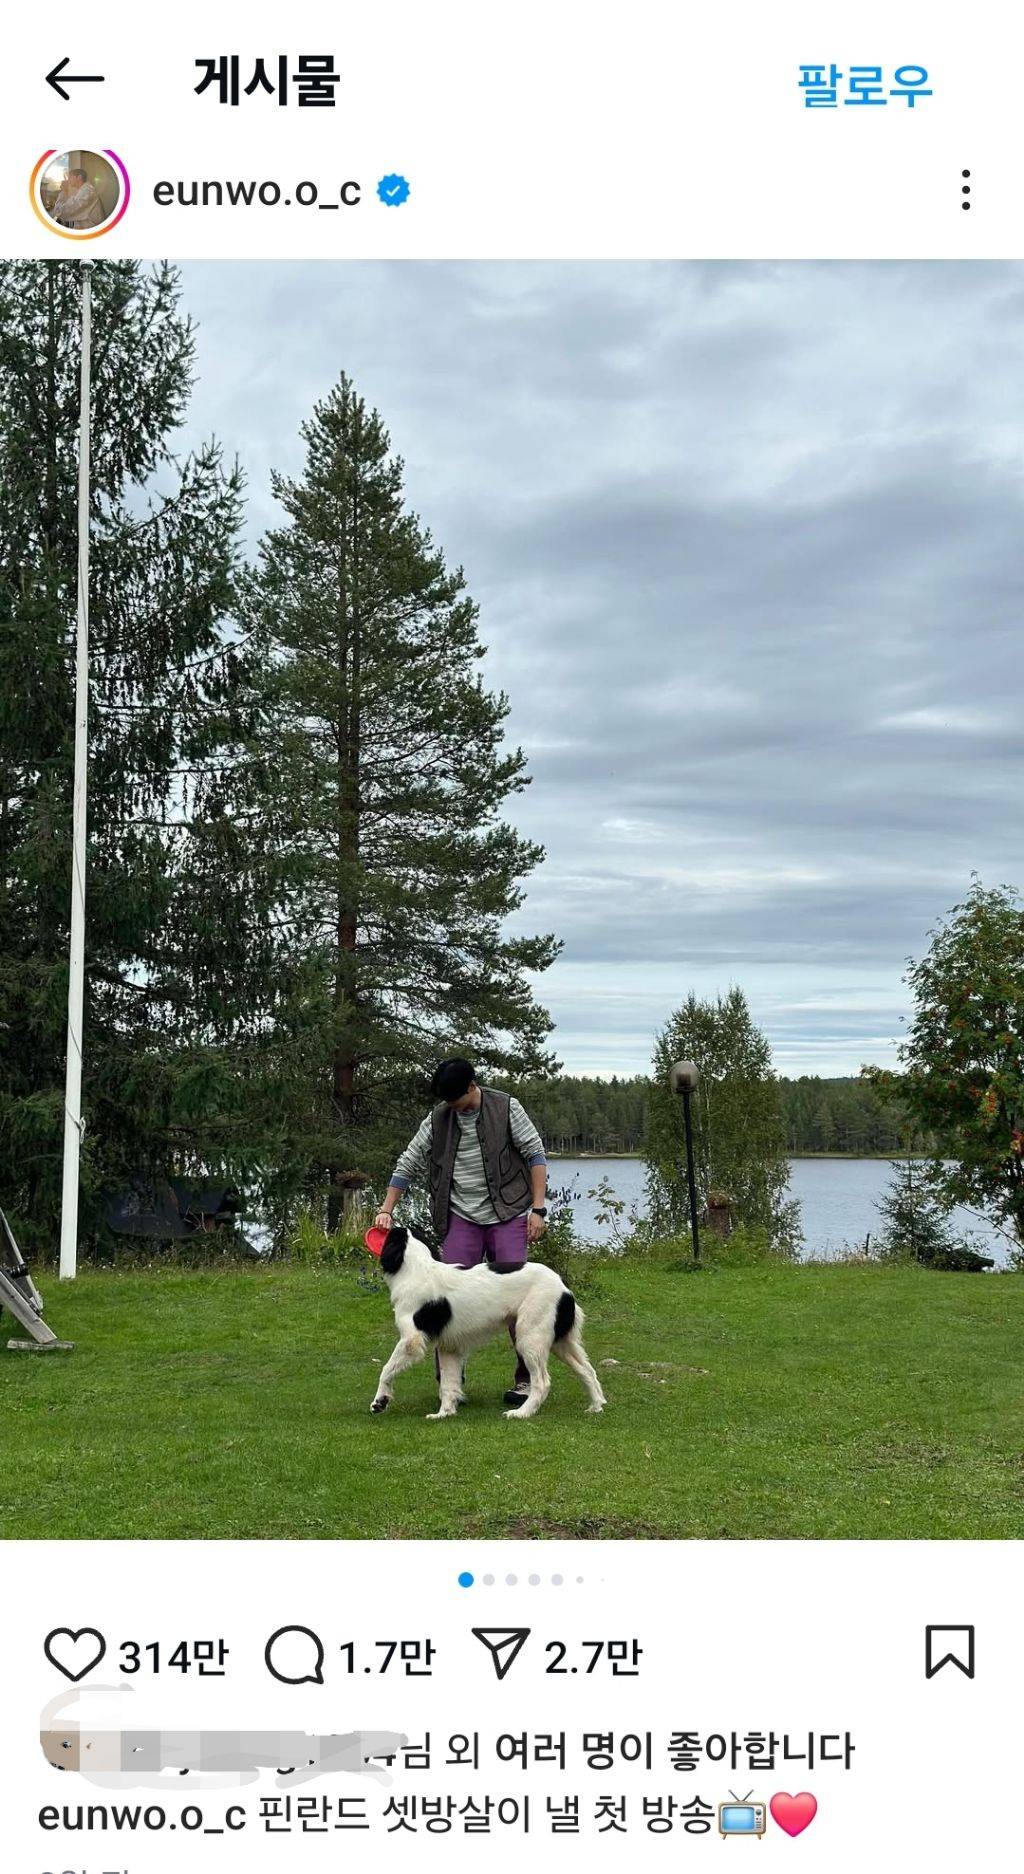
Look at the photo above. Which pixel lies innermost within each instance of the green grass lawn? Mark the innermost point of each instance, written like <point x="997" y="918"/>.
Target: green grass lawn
<point x="766" y="1401"/>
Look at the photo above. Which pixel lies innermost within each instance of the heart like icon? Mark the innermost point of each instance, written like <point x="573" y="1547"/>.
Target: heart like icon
<point x="81" y="1650"/>
<point x="794" y="1813"/>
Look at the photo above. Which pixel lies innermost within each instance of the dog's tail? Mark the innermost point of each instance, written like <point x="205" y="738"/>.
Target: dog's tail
<point x="567" y="1314"/>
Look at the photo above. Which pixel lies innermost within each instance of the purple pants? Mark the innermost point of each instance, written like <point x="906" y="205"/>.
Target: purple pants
<point x="503" y="1244"/>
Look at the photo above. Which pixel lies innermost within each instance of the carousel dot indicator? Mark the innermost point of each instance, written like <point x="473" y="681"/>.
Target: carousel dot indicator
<point x="465" y="1579"/>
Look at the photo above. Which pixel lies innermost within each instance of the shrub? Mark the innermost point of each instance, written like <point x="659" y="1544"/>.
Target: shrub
<point x="309" y="1242"/>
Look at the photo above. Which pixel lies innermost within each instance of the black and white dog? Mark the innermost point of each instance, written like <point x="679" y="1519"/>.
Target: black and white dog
<point x="455" y="1310"/>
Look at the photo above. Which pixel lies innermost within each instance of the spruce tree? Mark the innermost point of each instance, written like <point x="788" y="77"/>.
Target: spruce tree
<point x="913" y="1226"/>
<point x="173" y="949"/>
<point x="916" y="1228"/>
<point x="391" y="770"/>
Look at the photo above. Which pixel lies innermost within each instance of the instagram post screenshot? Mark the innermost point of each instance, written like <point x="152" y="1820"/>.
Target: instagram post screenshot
<point x="511" y="938"/>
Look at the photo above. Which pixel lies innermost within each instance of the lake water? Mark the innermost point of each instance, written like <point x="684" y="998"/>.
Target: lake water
<point x="838" y="1200"/>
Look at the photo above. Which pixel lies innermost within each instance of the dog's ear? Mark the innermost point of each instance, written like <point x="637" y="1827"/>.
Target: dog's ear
<point x="393" y="1254"/>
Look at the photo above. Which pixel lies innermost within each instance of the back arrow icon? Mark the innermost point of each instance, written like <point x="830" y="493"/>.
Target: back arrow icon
<point x="58" y="78"/>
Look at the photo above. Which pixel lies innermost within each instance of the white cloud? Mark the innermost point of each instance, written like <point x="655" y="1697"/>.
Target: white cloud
<point x="746" y="541"/>
<point x="945" y="719"/>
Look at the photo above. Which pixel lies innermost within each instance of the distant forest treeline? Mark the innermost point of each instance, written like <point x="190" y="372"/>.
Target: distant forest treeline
<point x="575" y="1114"/>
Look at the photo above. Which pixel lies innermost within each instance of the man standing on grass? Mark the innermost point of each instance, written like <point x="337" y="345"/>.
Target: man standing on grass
<point x="485" y="1163"/>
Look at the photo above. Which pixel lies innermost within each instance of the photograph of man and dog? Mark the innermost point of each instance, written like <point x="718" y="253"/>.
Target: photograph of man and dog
<point x="538" y="938"/>
<point x="485" y="1160"/>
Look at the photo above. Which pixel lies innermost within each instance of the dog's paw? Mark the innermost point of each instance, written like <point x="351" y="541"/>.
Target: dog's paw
<point x="597" y="1408"/>
<point x="517" y="1412"/>
<point x="440" y="1415"/>
<point x="381" y="1403"/>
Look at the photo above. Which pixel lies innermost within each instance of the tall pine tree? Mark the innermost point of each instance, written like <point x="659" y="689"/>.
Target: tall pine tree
<point x="173" y="937"/>
<point x="391" y="772"/>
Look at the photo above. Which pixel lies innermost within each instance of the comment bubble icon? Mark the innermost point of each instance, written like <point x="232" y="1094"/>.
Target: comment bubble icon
<point x="295" y="1656"/>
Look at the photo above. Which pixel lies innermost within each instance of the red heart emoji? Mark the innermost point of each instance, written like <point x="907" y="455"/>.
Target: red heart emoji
<point x="794" y="1813"/>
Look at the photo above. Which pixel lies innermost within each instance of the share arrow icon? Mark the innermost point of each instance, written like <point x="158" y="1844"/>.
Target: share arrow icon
<point x="504" y="1645"/>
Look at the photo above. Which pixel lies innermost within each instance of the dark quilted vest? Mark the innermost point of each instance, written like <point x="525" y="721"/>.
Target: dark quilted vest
<point x="509" y="1183"/>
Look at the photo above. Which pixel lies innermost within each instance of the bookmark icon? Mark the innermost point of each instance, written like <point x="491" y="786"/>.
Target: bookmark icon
<point x="948" y="1646"/>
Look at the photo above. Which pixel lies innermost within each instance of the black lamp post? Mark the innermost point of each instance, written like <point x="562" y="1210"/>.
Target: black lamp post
<point x="683" y="1078"/>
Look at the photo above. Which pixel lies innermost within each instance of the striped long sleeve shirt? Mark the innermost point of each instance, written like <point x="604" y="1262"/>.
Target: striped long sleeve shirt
<point x="470" y="1197"/>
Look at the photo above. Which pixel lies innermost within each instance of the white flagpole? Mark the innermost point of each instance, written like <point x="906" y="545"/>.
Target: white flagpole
<point x="76" y="974"/>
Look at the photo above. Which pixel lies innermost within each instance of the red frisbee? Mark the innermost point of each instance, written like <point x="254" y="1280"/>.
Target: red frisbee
<point x="375" y="1240"/>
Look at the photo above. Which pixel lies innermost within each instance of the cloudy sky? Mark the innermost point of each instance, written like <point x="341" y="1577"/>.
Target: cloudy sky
<point x="747" y="544"/>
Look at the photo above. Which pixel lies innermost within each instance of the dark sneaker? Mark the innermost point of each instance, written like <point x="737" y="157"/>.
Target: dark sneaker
<point x="517" y="1395"/>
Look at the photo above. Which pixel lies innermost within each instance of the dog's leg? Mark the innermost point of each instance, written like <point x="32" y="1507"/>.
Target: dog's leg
<point x="451" y="1386"/>
<point x="410" y="1348"/>
<point x="462" y="1376"/>
<point x="573" y="1352"/>
<point x="534" y="1354"/>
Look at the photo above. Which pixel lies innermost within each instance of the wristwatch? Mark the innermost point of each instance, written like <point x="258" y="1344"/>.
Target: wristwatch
<point x="539" y="1210"/>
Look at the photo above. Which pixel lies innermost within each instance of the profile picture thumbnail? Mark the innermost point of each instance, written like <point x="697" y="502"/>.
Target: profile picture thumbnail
<point x="81" y="193"/>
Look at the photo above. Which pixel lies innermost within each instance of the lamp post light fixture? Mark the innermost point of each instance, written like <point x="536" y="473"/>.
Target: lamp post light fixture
<point x="683" y="1078"/>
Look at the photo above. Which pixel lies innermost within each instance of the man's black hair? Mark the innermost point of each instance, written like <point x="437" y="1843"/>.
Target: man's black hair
<point x="451" y="1079"/>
